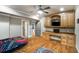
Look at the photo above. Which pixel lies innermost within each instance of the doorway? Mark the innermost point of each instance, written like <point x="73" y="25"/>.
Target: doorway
<point x="25" y="29"/>
<point x="38" y="29"/>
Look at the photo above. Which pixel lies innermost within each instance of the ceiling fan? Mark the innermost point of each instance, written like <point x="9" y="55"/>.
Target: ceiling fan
<point x="43" y="9"/>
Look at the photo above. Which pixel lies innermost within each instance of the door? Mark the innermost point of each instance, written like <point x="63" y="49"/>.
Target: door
<point x="27" y="29"/>
<point x="38" y="29"/>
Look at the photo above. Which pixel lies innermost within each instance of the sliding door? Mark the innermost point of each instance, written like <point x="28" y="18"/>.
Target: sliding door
<point x="15" y="27"/>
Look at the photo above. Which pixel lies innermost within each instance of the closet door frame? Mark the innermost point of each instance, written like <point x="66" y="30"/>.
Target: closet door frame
<point x="23" y="29"/>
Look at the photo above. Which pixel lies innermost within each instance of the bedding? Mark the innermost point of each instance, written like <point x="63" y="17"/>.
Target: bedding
<point x="22" y="41"/>
<point x="12" y="43"/>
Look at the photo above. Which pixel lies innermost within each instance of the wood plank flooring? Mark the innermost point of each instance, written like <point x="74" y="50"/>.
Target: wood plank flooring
<point x="37" y="42"/>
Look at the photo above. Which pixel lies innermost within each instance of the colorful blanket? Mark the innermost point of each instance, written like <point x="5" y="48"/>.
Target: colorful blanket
<point x="11" y="43"/>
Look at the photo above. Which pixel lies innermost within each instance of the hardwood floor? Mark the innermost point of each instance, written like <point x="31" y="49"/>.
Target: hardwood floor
<point x="37" y="42"/>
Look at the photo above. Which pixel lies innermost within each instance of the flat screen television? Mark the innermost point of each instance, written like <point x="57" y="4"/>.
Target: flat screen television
<point x="55" y="22"/>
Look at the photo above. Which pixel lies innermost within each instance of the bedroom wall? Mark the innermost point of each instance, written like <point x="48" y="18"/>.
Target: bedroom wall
<point x="77" y="27"/>
<point x="12" y="25"/>
<point x="42" y="20"/>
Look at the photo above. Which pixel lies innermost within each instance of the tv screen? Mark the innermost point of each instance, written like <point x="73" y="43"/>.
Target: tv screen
<point x="55" y="22"/>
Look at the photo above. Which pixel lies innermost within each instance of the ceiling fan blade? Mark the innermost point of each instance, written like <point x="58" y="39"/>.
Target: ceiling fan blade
<point x="40" y="5"/>
<point x="45" y="11"/>
<point x="46" y="8"/>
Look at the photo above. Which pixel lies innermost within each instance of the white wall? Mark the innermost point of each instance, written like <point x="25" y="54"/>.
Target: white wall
<point x="4" y="27"/>
<point x="77" y="27"/>
<point x="42" y="20"/>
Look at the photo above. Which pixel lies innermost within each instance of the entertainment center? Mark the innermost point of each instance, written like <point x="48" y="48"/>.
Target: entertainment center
<point x="60" y="29"/>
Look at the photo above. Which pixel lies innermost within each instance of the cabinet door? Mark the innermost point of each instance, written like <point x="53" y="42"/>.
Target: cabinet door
<point x="71" y="19"/>
<point x="64" y="39"/>
<point x="71" y="40"/>
<point x="64" y="20"/>
<point x="67" y="19"/>
<point x="68" y="40"/>
<point x="47" y="22"/>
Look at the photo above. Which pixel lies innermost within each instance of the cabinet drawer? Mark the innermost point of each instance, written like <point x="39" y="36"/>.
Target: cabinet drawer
<point x="64" y="42"/>
<point x="71" y="43"/>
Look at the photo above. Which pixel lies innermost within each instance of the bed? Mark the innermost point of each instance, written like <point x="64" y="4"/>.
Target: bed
<point x="9" y="44"/>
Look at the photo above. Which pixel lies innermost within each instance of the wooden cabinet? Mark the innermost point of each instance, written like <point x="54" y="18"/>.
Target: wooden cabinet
<point x="68" y="40"/>
<point x="63" y="19"/>
<point x="48" y="22"/>
<point x="67" y="20"/>
<point x="65" y="39"/>
<point x="71" y="19"/>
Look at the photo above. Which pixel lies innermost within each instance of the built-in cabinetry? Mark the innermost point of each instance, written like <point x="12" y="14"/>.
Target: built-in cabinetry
<point x="69" y="40"/>
<point x="63" y="39"/>
<point x="67" y="20"/>
<point x="60" y="28"/>
<point x="47" y="22"/>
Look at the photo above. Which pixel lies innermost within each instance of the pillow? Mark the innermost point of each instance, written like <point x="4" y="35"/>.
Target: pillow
<point x="22" y="41"/>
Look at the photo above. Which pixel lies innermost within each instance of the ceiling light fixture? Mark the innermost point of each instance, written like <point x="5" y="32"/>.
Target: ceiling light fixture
<point x="40" y="12"/>
<point x="61" y="9"/>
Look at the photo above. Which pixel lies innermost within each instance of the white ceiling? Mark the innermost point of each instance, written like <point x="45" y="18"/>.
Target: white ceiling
<point x="56" y="8"/>
<point x="27" y="9"/>
<point x="32" y="9"/>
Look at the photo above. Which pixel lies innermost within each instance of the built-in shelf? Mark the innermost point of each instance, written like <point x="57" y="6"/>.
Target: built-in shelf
<point x="66" y="20"/>
<point x="55" y="37"/>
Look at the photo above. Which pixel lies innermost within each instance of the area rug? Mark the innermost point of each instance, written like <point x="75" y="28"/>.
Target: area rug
<point x="43" y="50"/>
